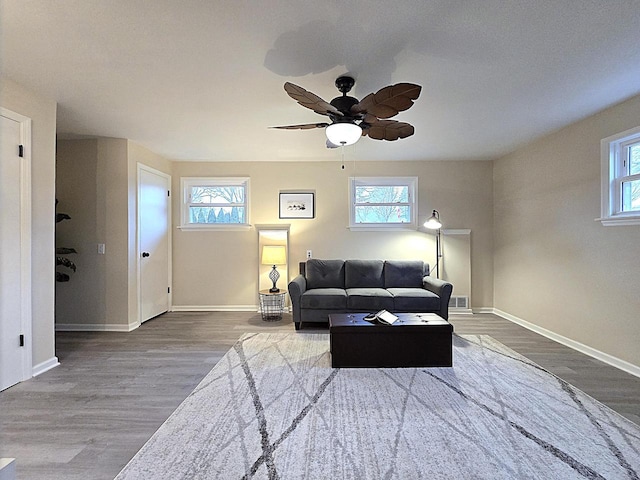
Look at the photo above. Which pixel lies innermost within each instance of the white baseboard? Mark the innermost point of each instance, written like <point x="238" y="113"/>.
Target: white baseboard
<point x="94" y="327"/>
<point x="461" y="311"/>
<point x="587" y="350"/>
<point x="44" y="366"/>
<point x="214" y="308"/>
<point x="483" y="310"/>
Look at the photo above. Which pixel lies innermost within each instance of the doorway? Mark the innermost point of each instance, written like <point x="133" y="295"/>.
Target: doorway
<point x="154" y="242"/>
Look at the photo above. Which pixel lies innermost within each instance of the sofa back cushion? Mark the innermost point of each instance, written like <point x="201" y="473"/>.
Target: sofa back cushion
<point x="363" y="274"/>
<point x="324" y="273"/>
<point x="403" y="273"/>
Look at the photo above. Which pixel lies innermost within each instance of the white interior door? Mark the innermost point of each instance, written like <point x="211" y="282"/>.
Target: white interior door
<point x="15" y="255"/>
<point x="154" y="218"/>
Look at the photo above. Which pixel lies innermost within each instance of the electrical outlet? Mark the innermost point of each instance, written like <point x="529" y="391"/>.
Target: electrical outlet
<point x="309" y="254"/>
<point x="101" y="248"/>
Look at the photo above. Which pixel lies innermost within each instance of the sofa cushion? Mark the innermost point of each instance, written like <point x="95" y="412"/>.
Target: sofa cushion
<point x="325" y="273"/>
<point x="325" y="298"/>
<point x="403" y="273"/>
<point x="369" y="299"/>
<point x="363" y="274"/>
<point x="414" y="300"/>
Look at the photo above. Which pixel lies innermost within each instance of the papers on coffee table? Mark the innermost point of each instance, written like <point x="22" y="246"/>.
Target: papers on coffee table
<point x="432" y="318"/>
<point x="383" y="316"/>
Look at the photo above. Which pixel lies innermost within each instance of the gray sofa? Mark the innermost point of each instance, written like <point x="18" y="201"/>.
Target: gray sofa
<point x="341" y="286"/>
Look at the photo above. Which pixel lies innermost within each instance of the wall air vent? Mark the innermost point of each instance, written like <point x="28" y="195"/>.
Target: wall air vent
<point x="459" y="302"/>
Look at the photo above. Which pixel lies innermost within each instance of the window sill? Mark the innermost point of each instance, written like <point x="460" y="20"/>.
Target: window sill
<point x="619" y="220"/>
<point x="382" y="228"/>
<point x="213" y="228"/>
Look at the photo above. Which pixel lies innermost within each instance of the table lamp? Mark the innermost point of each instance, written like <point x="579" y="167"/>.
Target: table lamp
<point x="274" y="255"/>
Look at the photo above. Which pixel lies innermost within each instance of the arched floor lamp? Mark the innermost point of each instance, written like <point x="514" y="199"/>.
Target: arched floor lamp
<point x="433" y="223"/>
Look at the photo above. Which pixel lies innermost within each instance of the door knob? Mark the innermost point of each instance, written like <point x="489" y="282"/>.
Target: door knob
<point x="145" y="254"/>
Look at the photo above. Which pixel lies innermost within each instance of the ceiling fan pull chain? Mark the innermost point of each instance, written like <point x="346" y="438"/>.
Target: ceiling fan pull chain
<point x="342" y="149"/>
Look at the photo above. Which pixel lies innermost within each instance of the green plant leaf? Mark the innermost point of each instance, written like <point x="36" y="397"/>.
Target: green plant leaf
<point x="62" y="277"/>
<point x="65" y="262"/>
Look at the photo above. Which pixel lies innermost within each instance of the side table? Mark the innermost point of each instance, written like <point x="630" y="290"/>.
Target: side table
<point x="272" y="304"/>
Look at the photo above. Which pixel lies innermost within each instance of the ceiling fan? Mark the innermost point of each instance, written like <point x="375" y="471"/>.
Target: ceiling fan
<point x="352" y="118"/>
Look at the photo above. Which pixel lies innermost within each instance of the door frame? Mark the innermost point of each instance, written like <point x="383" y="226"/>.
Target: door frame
<point x="26" y="318"/>
<point x="140" y="167"/>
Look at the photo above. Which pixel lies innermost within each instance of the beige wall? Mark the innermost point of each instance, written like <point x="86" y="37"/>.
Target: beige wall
<point x="112" y="212"/>
<point x="97" y="187"/>
<point x="555" y="266"/>
<point x="82" y="299"/>
<point x="212" y="269"/>
<point x="42" y="112"/>
<point x="92" y="187"/>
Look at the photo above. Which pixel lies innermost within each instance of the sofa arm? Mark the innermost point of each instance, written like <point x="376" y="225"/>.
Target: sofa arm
<point x="442" y="289"/>
<point x="297" y="287"/>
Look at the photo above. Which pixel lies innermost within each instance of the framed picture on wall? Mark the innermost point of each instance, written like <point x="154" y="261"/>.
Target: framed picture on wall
<point x="297" y="205"/>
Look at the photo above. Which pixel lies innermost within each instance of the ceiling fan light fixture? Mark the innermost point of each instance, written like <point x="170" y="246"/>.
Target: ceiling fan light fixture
<point x="343" y="133"/>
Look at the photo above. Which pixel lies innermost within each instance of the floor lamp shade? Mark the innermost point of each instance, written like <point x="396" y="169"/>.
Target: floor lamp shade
<point x="274" y="255"/>
<point x="433" y="222"/>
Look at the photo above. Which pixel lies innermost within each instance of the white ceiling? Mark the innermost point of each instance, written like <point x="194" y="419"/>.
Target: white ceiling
<point x="203" y="80"/>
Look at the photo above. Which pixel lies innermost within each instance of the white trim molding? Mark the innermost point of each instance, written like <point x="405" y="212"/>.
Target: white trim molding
<point x="580" y="347"/>
<point x="612" y="173"/>
<point x="45" y="366"/>
<point x="481" y="310"/>
<point x="26" y="292"/>
<point x="186" y="183"/>
<point x="94" y="327"/>
<point x="389" y="181"/>
<point x="214" y="308"/>
<point x="460" y="311"/>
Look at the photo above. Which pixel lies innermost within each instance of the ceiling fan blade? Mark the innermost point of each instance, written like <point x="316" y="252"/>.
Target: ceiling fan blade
<point x="388" y="101"/>
<point x="389" y="130"/>
<point x="311" y="100"/>
<point x="303" y="126"/>
<point x="370" y="119"/>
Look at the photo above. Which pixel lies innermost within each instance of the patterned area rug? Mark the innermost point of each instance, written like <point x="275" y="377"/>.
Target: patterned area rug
<point x="274" y="408"/>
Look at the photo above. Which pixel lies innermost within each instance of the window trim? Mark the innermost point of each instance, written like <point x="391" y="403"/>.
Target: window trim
<point x="612" y="175"/>
<point x="185" y="185"/>
<point x="411" y="182"/>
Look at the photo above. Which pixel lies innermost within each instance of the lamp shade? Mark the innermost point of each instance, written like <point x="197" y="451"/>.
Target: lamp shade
<point x="433" y="222"/>
<point x="343" y="133"/>
<point x="274" y="255"/>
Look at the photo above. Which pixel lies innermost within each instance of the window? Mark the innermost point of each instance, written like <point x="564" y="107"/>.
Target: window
<point x="621" y="178"/>
<point x="215" y="203"/>
<point x="383" y="202"/>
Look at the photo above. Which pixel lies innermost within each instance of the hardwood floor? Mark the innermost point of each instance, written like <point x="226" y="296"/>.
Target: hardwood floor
<point x="86" y="418"/>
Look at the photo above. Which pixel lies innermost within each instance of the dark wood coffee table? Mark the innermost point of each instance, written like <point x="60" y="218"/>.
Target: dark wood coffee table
<point x="414" y="340"/>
